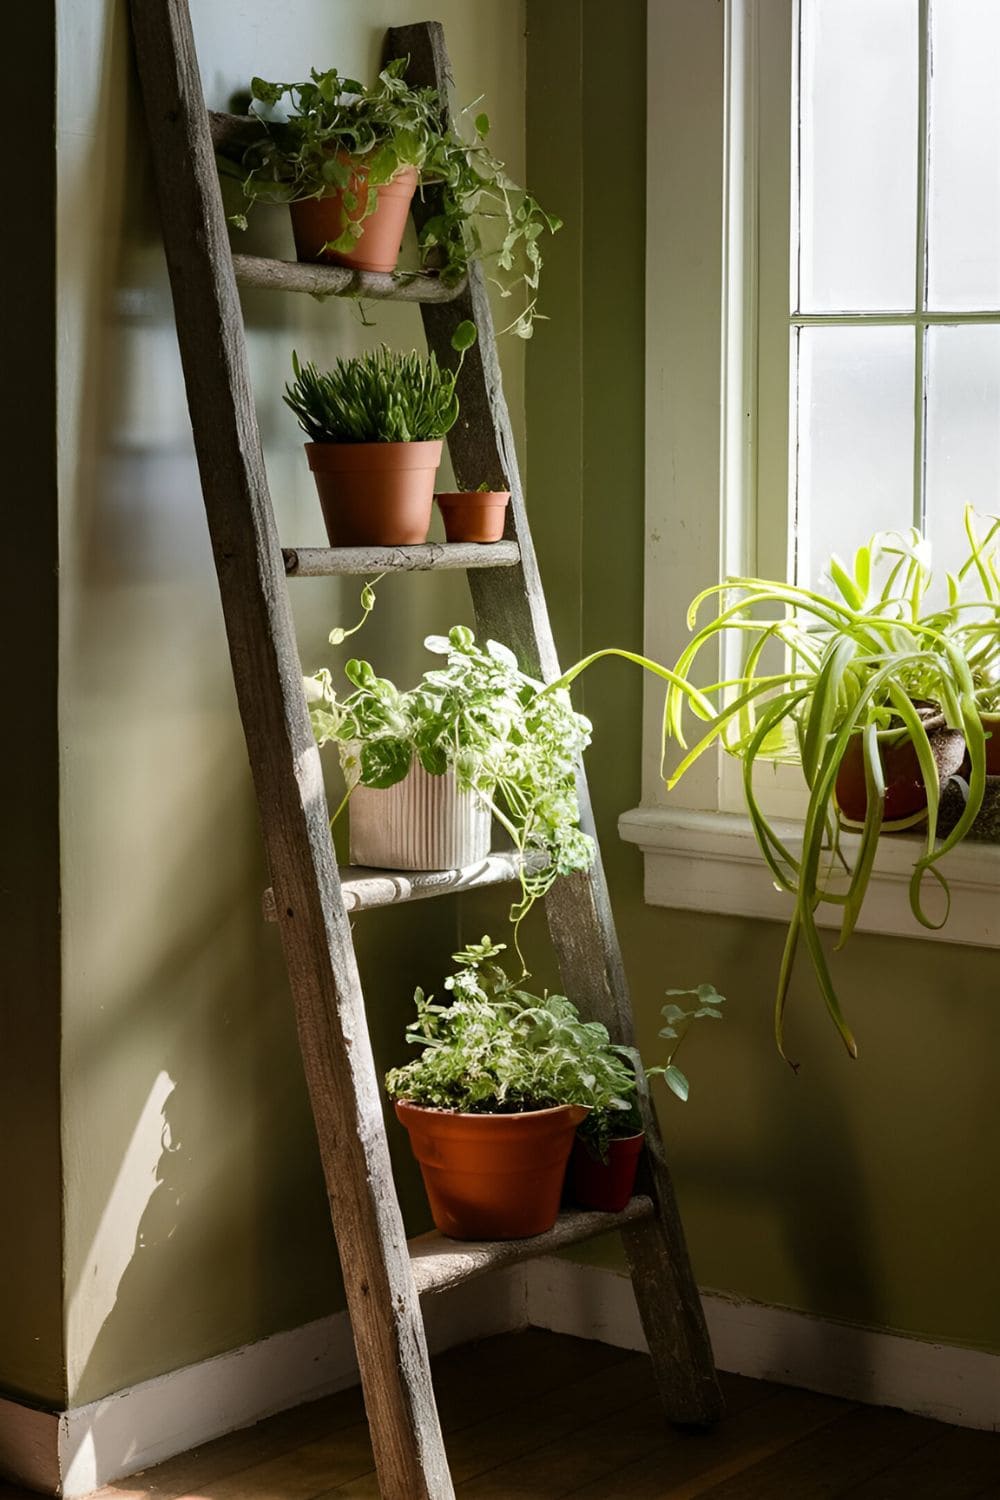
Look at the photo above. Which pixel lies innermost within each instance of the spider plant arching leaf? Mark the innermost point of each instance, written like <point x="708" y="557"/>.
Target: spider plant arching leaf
<point x="875" y="795"/>
<point x="824" y="703"/>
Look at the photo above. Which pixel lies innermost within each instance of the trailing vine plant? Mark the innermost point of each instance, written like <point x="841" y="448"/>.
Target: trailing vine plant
<point x="316" y="133"/>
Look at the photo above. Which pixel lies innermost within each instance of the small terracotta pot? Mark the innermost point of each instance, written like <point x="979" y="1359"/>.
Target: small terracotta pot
<point x="492" y="1177"/>
<point x="609" y="1185"/>
<point x="473" y="515"/>
<point x="315" y="221"/>
<point x="905" y="793"/>
<point x="375" y="494"/>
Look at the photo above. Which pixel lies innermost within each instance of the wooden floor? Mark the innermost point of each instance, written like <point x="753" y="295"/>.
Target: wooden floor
<point x="535" y="1416"/>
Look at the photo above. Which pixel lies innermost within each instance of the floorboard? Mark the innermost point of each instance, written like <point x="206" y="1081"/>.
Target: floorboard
<point x="539" y="1416"/>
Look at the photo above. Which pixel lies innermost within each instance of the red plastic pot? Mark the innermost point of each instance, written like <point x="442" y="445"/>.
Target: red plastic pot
<point x="473" y="515"/>
<point x="609" y="1185"/>
<point x="316" y="221"/>
<point x="492" y="1177"/>
<point x="375" y="494"/>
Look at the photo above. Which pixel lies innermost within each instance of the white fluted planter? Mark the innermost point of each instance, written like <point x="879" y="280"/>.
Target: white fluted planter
<point x="422" y="823"/>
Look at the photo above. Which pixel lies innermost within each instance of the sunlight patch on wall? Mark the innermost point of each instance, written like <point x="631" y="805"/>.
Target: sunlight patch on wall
<point x="117" y="1238"/>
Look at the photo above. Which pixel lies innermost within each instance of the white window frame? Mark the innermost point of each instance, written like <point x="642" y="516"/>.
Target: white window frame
<point x="703" y="216"/>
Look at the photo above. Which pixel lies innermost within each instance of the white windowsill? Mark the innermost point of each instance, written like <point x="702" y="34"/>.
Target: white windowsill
<point x="705" y="861"/>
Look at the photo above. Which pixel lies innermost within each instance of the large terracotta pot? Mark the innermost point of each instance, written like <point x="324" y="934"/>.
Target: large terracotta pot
<point x="905" y="793"/>
<point x="492" y="1177"/>
<point x="473" y="515"/>
<point x="605" y="1185"/>
<point x="316" y="221"/>
<point x="375" y="494"/>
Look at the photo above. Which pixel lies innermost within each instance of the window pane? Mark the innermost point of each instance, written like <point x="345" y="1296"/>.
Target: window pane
<point x="855" y="439"/>
<point x="963" y="253"/>
<point x="858" y="108"/>
<point x="963" y="433"/>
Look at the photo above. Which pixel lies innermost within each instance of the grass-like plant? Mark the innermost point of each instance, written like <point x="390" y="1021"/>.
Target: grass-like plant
<point x="505" y="735"/>
<point x="378" y="397"/>
<point x="878" y="658"/>
<point x="316" y="133"/>
<point x="498" y="1049"/>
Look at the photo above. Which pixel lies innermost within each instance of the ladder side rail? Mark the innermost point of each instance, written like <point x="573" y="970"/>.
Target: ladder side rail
<point x="510" y="604"/>
<point x="329" y="1007"/>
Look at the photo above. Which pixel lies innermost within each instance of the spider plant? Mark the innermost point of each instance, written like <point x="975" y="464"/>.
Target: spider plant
<point x="872" y="660"/>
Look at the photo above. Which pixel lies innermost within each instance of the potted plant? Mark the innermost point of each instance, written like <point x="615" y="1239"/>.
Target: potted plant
<point x="609" y="1142"/>
<point x="479" y="727"/>
<point x="873" y="677"/>
<point x="473" y="515"/>
<point x="376" y="426"/>
<point x="347" y="159"/>
<point x="492" y="1103"/>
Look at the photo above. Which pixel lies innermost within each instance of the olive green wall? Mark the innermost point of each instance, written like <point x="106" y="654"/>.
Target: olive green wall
<point x="195" y="1212"/>
<point x="862" y="1191"/>
<point x="31" y="1343"/>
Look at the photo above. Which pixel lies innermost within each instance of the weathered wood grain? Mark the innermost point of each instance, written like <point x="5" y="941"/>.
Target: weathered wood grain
<point x="323" y="562"/>
<point x="439" y="1263"/>
<point x="341" y="281"/>
<point x="510" y="604"/>
<point x="315" y="932"/>
<point x="364" y="889"/>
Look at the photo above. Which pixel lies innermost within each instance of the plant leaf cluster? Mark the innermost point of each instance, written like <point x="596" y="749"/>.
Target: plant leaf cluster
<point x="506" y="736"/>
<point x="600" y="1128"/>
<point x="498" y="1049"/>
<point x="820" y="672"/>
<point x="318" y="133"/>
<point x="378" y="397"/>
<point x="678" y="1022"/>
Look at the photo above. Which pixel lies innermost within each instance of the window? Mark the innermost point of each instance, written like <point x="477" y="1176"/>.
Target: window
<point x="890" y="412"/>
<point x="823" y="349"/>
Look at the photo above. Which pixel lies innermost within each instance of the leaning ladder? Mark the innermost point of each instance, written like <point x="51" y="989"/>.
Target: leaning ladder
<point x="384" y="1276"/>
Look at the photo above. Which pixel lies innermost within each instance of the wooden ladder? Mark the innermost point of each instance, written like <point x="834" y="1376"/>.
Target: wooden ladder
<point x="384" y="1276"/>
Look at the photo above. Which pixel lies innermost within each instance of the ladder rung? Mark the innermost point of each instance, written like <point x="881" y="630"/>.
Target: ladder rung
<point x="439" y="1263"/>
<point x="322" y="562"/>
<point x="341" y="281"/>
<point x="364" y="888"/>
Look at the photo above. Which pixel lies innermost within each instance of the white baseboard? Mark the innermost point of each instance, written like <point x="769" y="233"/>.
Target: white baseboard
<point x="944" y="1381"/>
<point x="88" y="1446"/>
<point x="76" y="1452"/>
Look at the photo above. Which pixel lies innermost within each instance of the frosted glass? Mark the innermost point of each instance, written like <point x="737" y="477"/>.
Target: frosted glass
<point x="858" y="167"/>
<point x="963" y="207"/>
<point x="963" y="432"/>
<point x="855" y="439"/>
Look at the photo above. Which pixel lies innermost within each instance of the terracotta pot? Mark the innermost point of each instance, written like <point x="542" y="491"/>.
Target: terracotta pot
<point x="473" y="515"/>
<point x="905" y="794"/>
<point x="375" y="494"/>
<point x="316" y="221"/>
<point x="609" y="1185"/>
<point x="492" y="1177"/>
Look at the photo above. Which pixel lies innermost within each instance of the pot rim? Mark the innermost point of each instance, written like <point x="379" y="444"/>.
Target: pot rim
<point x="404" y="173"/>
<point x="464" y="1114"/>
<point x="482" y="497"/>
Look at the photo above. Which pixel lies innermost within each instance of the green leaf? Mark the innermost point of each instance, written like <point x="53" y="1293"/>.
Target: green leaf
<point x="464" y="336"/>
<point x="482" y="124"/>
<point x="676" y="1081"/>
<point x="384" y="762"/>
